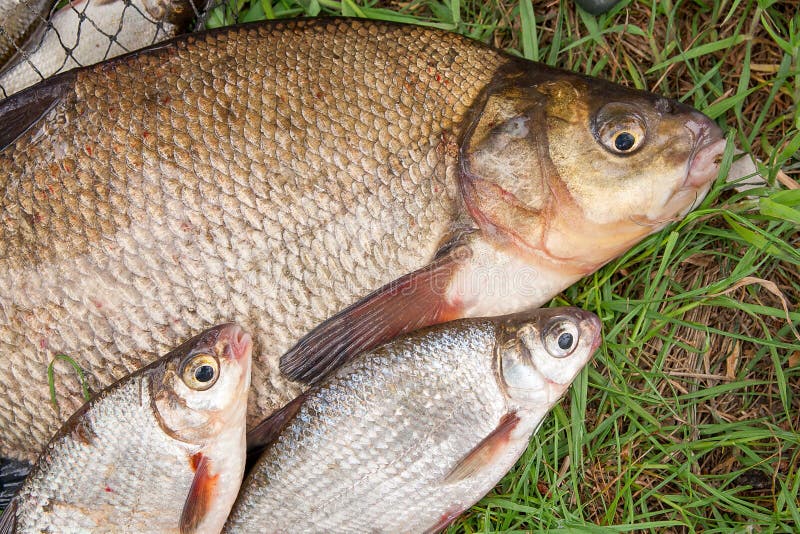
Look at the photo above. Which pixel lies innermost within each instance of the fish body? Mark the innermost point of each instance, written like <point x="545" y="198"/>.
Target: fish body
<point x="88" y="31"/>
<point x="18" y="19"/>
<point x="372" y="177"/>
<point x="405" y="437"/>
<point x="159" y="451"/>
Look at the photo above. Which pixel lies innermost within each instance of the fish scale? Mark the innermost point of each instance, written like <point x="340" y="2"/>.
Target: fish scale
<point x="158" y="203"/>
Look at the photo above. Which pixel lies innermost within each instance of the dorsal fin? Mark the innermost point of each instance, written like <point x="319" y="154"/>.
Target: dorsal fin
<point x="21" y="111"/>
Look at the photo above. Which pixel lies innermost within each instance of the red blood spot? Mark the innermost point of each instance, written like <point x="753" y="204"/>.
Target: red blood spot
<point x="97" y="303"/>
<point x="438" y="77"/>
<point x="108" y="489"/>
<point x="319" y="94"/>
<point x="166" y="100"/>
<point x="146" y="135"/>
<point x="42" y="343"/>
<point x="50" y="188"/>
<point x="88" y="150"/>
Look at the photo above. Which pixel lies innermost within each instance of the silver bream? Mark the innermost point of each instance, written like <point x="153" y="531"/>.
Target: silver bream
<point x="407" y="436"/>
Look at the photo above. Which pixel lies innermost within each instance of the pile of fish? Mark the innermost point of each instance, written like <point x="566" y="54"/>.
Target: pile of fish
<point x="359" y="182"/>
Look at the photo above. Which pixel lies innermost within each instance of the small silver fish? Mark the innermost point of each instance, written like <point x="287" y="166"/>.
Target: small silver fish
<point x="407" y="436"/>
<point x="162" y="450"/>
<point x="18" y="19"/>
<point x="87" y="31"/>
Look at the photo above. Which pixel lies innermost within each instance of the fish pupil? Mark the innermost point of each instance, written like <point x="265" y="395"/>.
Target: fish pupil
<point x="204" y="373"/>
<point x="624" y="141"/>
<point x="565" y="341"/>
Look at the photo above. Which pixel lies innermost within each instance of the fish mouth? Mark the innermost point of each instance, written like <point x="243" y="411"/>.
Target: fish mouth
<point x="591" y="323"/>
<point x="709" y="145"/>
<point x="240" y="343"/>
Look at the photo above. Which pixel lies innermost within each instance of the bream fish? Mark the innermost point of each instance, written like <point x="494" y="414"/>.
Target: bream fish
<point x="373" y="177"/>
<point x="162" y="450"/>
<point x="407" y="436"/>
<point x="85" y="32"/>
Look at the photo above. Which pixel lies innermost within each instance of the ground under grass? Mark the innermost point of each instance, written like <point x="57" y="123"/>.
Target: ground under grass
<point x="688" y="418"/>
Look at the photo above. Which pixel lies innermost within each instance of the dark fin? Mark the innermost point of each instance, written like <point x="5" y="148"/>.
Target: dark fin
<point x="12" y="475"/>
<point x="21" y="111"/>
<point x="268" y="430"/>
<point x="484" y="452"/>
<point x="413" y="301"/>
<point x="8" y="521"/>
<point x="198" y="502"/>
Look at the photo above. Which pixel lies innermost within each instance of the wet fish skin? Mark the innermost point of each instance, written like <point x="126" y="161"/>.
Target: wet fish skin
<point x="200" y="182"/>
<point x="135" y="24"/>
<point x="405" y="437"/>
<point x="155" y="452"/>
<point x="18" y="19"/>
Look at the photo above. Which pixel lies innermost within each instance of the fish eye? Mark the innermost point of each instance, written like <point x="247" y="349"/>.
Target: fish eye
<point x="560" y="338"/>
<point x="620" y="134"/>
<point x="200" y="371"/>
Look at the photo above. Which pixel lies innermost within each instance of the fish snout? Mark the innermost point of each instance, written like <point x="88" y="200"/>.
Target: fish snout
<point x="590" y="324"/>
<point x="239" y="342"/>
<point x="709" y="144"/>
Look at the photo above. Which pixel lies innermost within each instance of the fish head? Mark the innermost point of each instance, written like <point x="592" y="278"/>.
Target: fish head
<point x="203" y="384"/>
<point x="540" y="352"/>
<point x="178" y="12"/>
<point x="575" y="170"/>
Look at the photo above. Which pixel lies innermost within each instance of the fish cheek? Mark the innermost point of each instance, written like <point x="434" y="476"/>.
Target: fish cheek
<point x="502" y="175"/>
<point x="175" y="417"/>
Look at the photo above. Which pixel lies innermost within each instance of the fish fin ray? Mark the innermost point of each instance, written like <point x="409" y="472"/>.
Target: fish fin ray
<point x="447" y="518"/>
<point x="483" y="453"/>
<point x="23" y="110"/>
<point x="413" y="301"/>
<point x="199" y="500"/>
<point x="8" y="521"/>
<point x="267" y="431"/>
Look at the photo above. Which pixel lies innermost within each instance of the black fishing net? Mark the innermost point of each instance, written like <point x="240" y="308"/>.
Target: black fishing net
<point x="40" y="38"/>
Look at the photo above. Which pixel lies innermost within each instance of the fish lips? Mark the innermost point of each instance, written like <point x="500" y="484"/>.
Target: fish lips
<point x="240" y="343"/>
<point x="709" y="146"/>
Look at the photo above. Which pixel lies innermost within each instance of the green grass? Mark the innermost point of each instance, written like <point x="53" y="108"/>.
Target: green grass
<point x="688" y="419"/>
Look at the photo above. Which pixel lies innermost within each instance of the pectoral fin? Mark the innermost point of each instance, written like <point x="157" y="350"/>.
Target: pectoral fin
<point x="201" y="495"/>
<point x="21" y="111"/>
<point x="486" y="451"/>
<point x="411" y="302"/>
<point x="8" y="521"/>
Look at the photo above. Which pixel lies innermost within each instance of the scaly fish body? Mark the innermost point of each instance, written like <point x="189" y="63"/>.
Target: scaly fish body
<point x="160" y="451"/>
<point x="407" y="436"/>
<point x="18" y="19"/>
<point x="274" y="174"/>
<point x="81" y="32"/>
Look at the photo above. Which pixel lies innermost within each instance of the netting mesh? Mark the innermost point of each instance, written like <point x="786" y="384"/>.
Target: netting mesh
<point x="40" y="38"/>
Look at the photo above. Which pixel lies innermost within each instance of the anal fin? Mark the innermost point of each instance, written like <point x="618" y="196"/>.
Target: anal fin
<point x="413" y="301"/>
<point x="201" y="495"/>
<point x="485" y="452"/>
